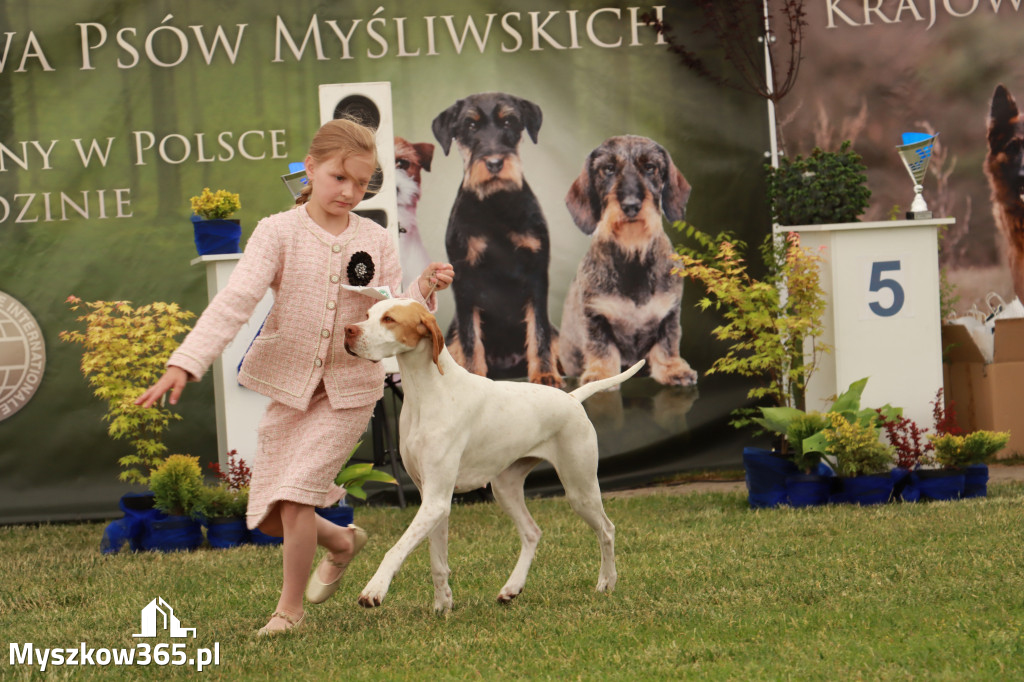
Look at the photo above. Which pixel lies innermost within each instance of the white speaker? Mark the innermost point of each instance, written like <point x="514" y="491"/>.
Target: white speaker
<point x="370" y="104"/>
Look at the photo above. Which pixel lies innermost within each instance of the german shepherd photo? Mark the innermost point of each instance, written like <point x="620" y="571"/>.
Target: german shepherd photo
<point x="1004" y="167"/>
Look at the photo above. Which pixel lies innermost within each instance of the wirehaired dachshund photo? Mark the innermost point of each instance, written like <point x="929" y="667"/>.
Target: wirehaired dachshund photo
<point x="497" y="239"/>
<point x="624" y="302"/>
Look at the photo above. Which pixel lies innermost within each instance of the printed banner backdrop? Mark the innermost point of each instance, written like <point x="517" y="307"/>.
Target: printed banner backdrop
<point x="114" y="112"/>
<point x="875" y="70"/>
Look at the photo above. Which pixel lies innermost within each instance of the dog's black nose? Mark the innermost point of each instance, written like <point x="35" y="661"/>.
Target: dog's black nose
<point x="631" y="207"/>
<point x="494" y="165"/>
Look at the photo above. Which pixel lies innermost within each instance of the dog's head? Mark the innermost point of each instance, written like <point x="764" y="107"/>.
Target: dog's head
<point x="487" y="128"/>
<point x="1005" y="160"/>
<point x="393" y="327"/>
<point x="410" y="160"/>
<point x="626" y="182"/>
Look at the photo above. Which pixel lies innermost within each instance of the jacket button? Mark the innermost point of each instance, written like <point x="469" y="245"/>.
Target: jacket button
<point x="336" y="248"/>
<point x="331" y="305"/>
<point x="318" y="362"/>
<point x="325" y="333"/>
<point x="335" y="279"/>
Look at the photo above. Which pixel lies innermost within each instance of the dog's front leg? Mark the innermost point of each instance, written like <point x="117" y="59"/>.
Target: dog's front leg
<point x="437" y="502"/>
<point x="439" y="570"/>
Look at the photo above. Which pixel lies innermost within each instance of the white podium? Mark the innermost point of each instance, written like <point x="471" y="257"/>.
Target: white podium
<point x="882" y="319"/>
<point x="238" y="409"/>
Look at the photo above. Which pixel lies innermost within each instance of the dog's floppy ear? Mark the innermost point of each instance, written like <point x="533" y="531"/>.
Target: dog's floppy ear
<point x="583" y="205"/>
<point x="425" y="151"/>
<point x="444" y="126"/>
<point x="429" y="323"/>
<point x="1003" y="112"/>
<point x="532" y="117"/>
<point x="676" y="192"/>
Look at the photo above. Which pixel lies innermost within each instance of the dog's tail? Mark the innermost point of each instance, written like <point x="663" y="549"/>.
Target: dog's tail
<point x="587" y="390"/>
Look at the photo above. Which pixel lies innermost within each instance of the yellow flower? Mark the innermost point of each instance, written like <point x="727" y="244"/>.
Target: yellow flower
<point x="215" y="205"/>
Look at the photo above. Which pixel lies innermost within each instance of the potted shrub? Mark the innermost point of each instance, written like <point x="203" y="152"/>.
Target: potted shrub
<point x="177" y="485"/>
<point x="807" y="439"/>
<point x="820" y="189"/>
<point x="771" y="328"/>
<point x="215" y="231"/>
<point x="956" y="454"/>
<point x="221" y="507"/>
<point x="125" y="350"/>
<point x="862" y="460"/>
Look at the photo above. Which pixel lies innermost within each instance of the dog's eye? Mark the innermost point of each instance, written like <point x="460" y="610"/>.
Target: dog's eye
<point x="387" y="318"/>
<point x="650" y="169"/>
<point x="471" y="126"/>
<point x="607" y="169"/>
<point x="402" y="163"/>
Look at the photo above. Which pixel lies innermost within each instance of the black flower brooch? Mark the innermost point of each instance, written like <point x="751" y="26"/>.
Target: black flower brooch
<point x="360" y="269"/>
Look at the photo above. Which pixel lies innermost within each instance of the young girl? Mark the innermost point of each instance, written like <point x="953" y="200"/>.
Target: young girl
<point x="322" y="397"/>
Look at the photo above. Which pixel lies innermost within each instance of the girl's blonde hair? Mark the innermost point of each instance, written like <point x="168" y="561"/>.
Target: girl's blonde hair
<point x="344" y="137"/>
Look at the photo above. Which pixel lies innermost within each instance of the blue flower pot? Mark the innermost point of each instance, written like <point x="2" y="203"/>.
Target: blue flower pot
<point x="976" y="480"/>
<point x="766" y="477"/>
<point x="865" y="490"/>
<point x="223" y="532"/>
<point x="214" y="237"/>
<point x="258" y="537"/>
<point x="808" y="490"/>
<point x="340" y="515"/>
<point x="172" y="533"/>
<point x="939" y="484"/>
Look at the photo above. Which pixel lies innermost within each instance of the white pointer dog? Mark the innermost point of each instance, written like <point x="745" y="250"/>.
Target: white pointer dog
<point x="460" y="431"/>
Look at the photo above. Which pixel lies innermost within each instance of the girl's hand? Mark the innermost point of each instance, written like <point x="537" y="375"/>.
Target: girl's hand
<point x="437" y="277"/>
<point x="173" y="380"/>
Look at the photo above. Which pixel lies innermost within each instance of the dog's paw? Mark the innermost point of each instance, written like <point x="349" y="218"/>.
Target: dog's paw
<point x="675" y="373"/>
<point x="606" y="583"/>
<point x="372" y="596"/>
<point x="507" y="594"/>
<point x="547" y="379"/>
<point x="443" y="601"/>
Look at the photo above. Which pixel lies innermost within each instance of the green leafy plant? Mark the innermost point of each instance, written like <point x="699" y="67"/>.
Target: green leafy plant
<point x="220" y="500"/>
<point x="822" y="188"/>
<point x="953" y="451"/>
<point x="217" y="205"/>
<point x="230" y="496"/>
<point x="125" y="351"/>
<point x="856" y="447"/>
<point x="354" y="476"/>
<point x="773" y="324"/>
<point x="177" y="484"/>
<point x="806" y="440"/>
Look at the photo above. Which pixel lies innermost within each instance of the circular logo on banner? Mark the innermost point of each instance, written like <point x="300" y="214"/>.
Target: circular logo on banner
<point x="22" y="355"/>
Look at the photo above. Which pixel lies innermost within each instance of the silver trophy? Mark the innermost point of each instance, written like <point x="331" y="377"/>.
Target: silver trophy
<point x="915" y="152"/>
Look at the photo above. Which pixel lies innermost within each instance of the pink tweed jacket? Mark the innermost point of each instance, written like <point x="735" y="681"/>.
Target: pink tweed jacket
<point x="302" y="339"/>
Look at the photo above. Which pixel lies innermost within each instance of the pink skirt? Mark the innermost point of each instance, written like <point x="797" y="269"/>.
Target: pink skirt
<point x="300" y="453"/>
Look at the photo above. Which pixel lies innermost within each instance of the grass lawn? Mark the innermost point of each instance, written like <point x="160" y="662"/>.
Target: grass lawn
<point x="708" y="589"/>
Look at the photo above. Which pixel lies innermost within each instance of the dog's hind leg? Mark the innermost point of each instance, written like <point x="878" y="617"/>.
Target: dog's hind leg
<point x="439" y="570"/>
<point x="508" y="491"/>
<point x="584" y="495"/>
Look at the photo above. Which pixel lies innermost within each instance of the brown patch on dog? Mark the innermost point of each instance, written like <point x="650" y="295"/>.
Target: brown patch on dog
<point x="670" y="370"/>
<point x="602" y="367"/>
<point x="475" y="248"/>
<point x="478" y="363"/>
<point x="525" y="241"/>
<point x="412" y="323"/>
<point x="633" y="236"/>
<point x="479" y="180"/>
<point x="1004" y="167"/>
<point x="413" y="157"/>
<point x="534" y="371"/>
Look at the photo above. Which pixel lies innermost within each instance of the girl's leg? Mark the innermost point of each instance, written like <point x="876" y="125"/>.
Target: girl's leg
<point x="297" y="525"/>
<point x="338" y="542"/>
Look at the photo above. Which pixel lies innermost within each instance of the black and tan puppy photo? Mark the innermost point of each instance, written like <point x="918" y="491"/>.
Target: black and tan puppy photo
<point x="497" y="240"/>
<point x="624" y="302"/>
